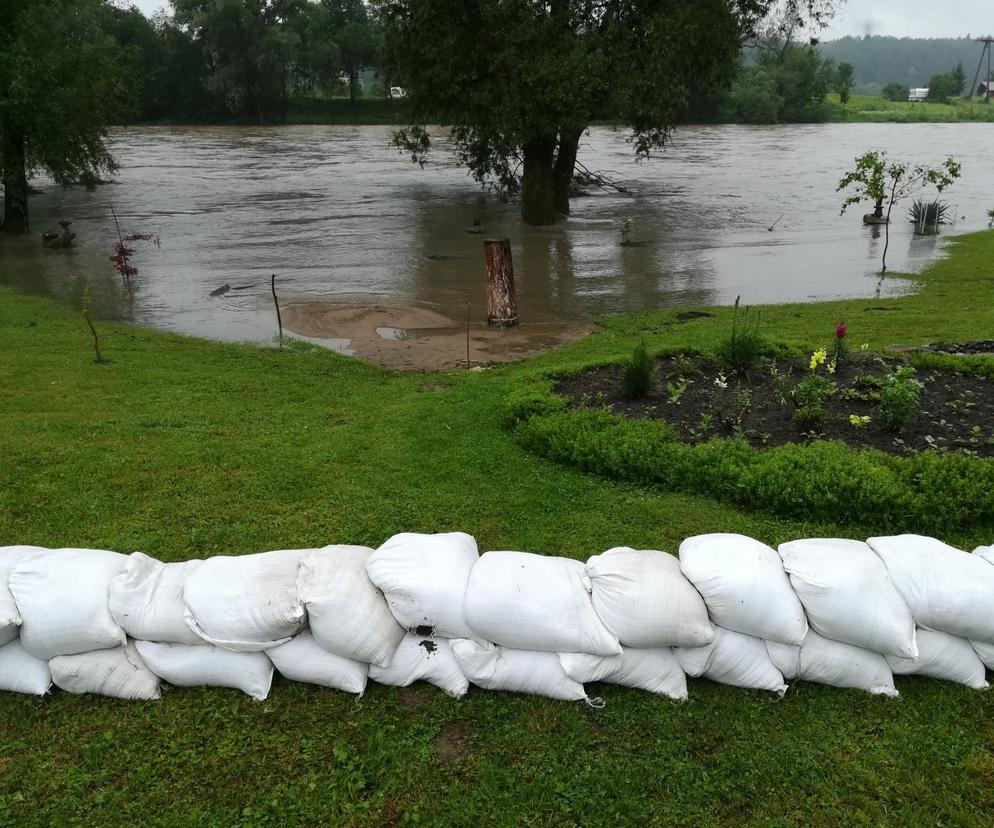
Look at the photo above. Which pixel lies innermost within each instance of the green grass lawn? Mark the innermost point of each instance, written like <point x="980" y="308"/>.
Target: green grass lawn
<point x="871" y="109"/>
<point x="180" y="448"/>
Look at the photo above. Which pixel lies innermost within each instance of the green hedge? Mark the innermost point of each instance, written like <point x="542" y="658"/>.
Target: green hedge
<point x="818" y="481"/>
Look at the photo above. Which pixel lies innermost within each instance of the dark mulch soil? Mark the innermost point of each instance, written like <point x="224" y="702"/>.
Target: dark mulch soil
<point x="952" y="406"/>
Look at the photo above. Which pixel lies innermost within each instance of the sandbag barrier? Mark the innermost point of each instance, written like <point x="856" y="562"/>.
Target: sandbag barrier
<point x="846" y="613"/>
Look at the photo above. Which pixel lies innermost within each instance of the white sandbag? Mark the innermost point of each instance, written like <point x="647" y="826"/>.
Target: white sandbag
<point x="424" y="580"/>
<point x="423" y="659"/>
<point x="302" y="659"/>
<point x="985" y="652"/>
<point x="146" y="599"/>
<point x="735" y="659"/>
<point x="825" y="661"/>
<point x="535" y="602"/>
<point x="655" y="670"/>
<point x="744" y="586"/>
<point x="986" y="553"/>
<point x="645" y="601"/>
<point x="848" y="595"/>
<point x="61" y="596"/>
<point x="945" y="657"/>
<point x="204" y="665"/>
<point x="119" y="673"/>
<point x="346" y="612"/>
<point x="21" y="672"/>
<point x="517" y="671"/>
<point x="945" y="588"/>
<point x="246" y="603"/>
<point x="10" y="619"/>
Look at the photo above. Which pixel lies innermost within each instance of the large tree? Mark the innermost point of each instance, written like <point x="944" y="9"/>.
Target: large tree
<point x="60" y="85"/>
<point x="520" y="80"/>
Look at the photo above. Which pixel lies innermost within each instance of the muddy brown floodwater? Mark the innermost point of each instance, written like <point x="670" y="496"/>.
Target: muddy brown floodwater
<point x="342" y="218"/>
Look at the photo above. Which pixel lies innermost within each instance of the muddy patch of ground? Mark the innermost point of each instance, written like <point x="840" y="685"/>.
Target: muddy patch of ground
<point x="412" y="700"/>
<point x="955" y="412"/>
<point x="452" y="743"/>
<point x="408" y="337"/>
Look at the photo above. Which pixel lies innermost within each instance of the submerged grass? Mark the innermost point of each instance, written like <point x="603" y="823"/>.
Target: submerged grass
<point x="181" y="448"/>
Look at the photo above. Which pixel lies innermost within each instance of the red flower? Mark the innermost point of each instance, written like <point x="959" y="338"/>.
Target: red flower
<point x="841" y="330"/>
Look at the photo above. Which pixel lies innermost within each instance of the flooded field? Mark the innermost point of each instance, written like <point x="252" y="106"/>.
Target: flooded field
<point x="339" y="215"/>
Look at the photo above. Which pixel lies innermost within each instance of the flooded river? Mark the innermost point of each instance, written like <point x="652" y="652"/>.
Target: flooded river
<point x="338" y="214"/>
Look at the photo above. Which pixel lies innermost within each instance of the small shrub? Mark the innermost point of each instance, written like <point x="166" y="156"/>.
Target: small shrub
<point x="900" y="398"/>
<point x="638" y="373"/>
<point x="743" y="349"/>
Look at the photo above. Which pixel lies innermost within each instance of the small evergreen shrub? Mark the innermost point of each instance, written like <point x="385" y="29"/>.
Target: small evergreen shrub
<point x="638" y="373"/>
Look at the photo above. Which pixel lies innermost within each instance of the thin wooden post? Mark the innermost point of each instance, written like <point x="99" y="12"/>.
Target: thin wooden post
<point x="502" y="302"/>
<point x="279" y="318"/>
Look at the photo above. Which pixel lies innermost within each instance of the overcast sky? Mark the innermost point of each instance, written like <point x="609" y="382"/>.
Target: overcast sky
<point x="900" y="18"/>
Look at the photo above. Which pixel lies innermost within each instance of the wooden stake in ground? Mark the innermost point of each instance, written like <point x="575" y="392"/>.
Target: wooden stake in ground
<point x="502" y="302"/>
<point x="469" y="309"/>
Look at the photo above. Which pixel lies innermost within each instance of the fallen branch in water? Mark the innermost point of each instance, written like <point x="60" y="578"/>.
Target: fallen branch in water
<point x="600" y="179"/>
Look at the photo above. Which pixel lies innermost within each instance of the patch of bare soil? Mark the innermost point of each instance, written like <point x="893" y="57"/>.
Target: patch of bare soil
<point x="413" y="700"/>
<point x="450" y="746"/>
<point x="408" y="337"/>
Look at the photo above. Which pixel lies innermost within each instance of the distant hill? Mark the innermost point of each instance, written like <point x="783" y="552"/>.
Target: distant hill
<point x="911" y="61"/>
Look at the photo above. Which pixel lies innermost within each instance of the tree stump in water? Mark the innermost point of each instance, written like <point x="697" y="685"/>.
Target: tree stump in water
<point x="502" y="303"/>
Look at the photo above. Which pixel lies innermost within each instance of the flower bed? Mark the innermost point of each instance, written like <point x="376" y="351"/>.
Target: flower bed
<point x="862" y="401"/>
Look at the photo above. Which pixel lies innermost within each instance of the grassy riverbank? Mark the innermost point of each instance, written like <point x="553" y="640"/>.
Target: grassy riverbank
<point x="182" y="448"/>
<point x="872" y="110"/>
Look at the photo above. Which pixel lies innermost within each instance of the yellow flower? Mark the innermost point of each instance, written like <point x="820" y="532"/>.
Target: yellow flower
<point x="818" y="358"/>
<point x="830" y="367"/>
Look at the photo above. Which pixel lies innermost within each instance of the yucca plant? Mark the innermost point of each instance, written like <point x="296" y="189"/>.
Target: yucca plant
<point x="926" y="216"/>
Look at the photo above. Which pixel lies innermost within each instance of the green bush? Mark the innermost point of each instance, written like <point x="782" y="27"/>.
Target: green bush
<point x="638" y="373"/>
<point x="818" y="481"/>
<point x="900" y="398"/>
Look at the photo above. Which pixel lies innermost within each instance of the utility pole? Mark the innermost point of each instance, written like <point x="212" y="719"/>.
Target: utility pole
<point x="985" y="52"/>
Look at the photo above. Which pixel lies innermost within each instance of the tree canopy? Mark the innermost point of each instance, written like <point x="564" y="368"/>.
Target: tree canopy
<point x="61" y="83"/>
<point x="520" y="80"/>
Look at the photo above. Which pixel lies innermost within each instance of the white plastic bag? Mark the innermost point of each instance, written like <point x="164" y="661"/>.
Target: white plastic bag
<point x="10" y="619"/>
<point x="21" y="672"/>
<point x="945" y="588"/>
<point x="825" y="661"/>
<point x="423" y="659"/>
<point x="118" y="673"/>
<point x="517" y="671"/>
<point x="735" y="659"/>
<point x="645" y="601"/>
<point x="945" y="657"/>
<point x="535" y="602"/>
<point x="424" y="580"/>
<point x="146" y="599"/>
<point x="204" y="665"/>
<point x="347" y="614"/>
<point x="61" y="596"/>
<point x="744" y="586"/>
<point x="302" y="659"/>
<point x="655" y="670"/>
<point x="246" y="603"/>
<point x="848" y="596"/>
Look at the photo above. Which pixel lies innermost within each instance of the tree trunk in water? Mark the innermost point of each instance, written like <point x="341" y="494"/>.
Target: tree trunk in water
<point x="538" y="205"/>
<point x="562" y="173"/>
<point x="502" y="302"/>
<point x="15" y="184"/>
